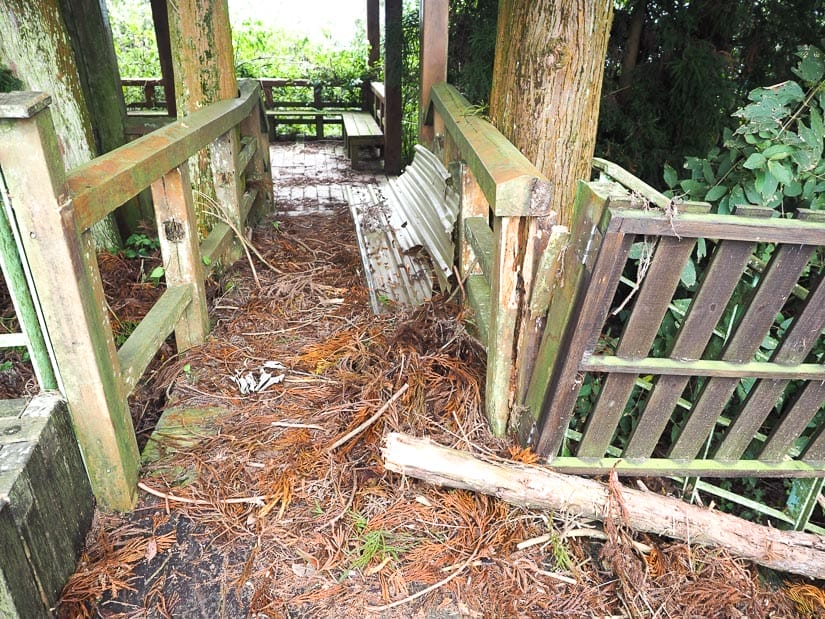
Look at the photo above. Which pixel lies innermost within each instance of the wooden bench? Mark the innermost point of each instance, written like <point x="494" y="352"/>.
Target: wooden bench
<point x="360" y="129"/>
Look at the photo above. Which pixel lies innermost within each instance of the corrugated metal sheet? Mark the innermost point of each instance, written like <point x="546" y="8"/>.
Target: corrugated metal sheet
<point x="392" y="274"/>
<point x="405" y="228"/>
<point x="425" y="211"/>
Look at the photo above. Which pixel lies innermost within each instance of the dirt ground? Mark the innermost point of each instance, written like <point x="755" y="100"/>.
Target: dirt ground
<point x="270" y="506"/>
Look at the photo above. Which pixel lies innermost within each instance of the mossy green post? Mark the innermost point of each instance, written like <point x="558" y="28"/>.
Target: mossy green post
<point x="63" y="263"/>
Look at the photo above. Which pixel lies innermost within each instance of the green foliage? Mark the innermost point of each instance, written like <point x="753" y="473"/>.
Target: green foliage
<point x="695" y="62"/>
<point x="472" y="47"/>
<point x="374" y="544"/>
<point x="8" y="82"/>
<point x="140" y="246"/>
<point x="774" y="157"/>
<point x="134" y="38"/>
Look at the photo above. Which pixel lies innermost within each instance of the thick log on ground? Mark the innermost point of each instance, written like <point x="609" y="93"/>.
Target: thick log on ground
<point x="541" y="488"/>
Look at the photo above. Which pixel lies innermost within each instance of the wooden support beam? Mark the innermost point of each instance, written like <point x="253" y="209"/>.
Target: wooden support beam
<point x="178" y="235"/>
<point x="224" y="152"/>
<point x="504" y="303"/>
<point x="539" y="488"/>
<point x="434" y="21"/>
<point x="64" y="263"/>
<point x="138" y="351"/>
<point x="373" y="33"/>
<point x="392" y="85"/>
<point x="160" y="18"/>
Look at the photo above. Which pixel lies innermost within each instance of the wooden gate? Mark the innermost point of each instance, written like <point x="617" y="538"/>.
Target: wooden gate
<point x="641" y="373"/>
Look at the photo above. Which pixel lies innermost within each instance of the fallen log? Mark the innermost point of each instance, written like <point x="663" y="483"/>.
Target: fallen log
<point x="540" y="488"/>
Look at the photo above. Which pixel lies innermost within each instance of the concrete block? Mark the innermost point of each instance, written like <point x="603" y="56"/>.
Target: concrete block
<point x="46" y="505"/>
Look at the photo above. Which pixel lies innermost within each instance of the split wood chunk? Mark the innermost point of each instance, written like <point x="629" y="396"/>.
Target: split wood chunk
<point x="540" y="488"/>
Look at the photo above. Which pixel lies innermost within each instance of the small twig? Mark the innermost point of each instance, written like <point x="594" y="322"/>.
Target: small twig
<point x="346" y="507"/>
<point x="259" y="501"/>
<point x="461" y="281"/>
<point x="371" y="420"/>
<point x="440" y="583"/>
<point x="287" y="424"/>
<point x="596" y="534"/>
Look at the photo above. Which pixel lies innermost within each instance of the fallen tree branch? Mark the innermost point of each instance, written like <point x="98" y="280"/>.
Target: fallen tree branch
<point x="540" y="488"/>
<point x="371" y="420"/>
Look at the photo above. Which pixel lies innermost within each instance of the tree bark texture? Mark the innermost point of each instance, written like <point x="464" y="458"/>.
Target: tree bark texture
<point x="540" y="488"/>
<point x="35" y="44"/>
<point x="547" y="80"/>
<point x="87" y="22"/>
<point x="204" y="68"/>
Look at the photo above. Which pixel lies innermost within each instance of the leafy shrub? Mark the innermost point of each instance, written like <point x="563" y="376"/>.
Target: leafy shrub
<point x="774" y="157"/>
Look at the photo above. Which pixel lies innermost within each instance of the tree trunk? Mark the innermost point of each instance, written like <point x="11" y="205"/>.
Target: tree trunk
<point x="547" y="80"/>
<point x="35" y="43"/>
<point x="540" y="488"/>
<point x="204" y="68"/>
<point x="87" y="22"/>
<point x="631" y="49"/>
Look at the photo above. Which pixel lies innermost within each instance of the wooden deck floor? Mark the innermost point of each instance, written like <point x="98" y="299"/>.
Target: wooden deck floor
<point x="310" y="177"/>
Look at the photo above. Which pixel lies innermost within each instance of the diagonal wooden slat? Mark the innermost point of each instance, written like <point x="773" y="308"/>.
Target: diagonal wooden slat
<point x="798" y="342"/>
<point x="561" y="392"/>
<point x="793" y="423"/>
<point x="654" y="296"/>
<point x="786" y="264"/>
<point x="720" y="279"/>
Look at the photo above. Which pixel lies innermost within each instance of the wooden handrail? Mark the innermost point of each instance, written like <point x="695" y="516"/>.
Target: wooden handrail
<point x="509" y="181"/>
<point x="100" y="186"/>
<point x="55" y="212"/>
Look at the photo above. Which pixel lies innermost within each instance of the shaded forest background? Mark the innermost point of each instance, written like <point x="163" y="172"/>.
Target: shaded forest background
<point x="675" y="71"/>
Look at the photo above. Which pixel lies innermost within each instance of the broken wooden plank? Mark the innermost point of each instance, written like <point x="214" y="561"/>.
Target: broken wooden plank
<point x="559" y="395"/>
<point x="536" y="487"/>
<point x="576" y="260"/>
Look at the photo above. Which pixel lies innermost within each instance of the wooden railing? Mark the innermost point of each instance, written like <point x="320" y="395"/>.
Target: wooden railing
<point x="287" y="102"/>
<point x="55" y="211"/>
<point x="376" y="103"/>
<point x="708" y="433"/>
<point x="153" y="95"/>
<point x="503" y="229"/>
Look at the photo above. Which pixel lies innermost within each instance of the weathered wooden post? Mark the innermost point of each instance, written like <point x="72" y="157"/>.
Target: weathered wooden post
<point x="392" y="84"/>
<point x="434" y="19"/>
<point x="64" y="265"/>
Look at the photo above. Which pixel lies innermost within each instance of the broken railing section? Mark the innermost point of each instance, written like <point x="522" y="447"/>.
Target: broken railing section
<point x="686" y="418"/>
<point x="507" y="240"/>
<point x="55" y="212"/>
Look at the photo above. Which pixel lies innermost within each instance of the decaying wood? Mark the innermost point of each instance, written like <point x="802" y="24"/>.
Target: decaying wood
<point x="541" y="488"/>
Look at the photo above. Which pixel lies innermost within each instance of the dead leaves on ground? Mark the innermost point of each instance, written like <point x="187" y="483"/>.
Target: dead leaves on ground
<point x="336" y="532"/>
